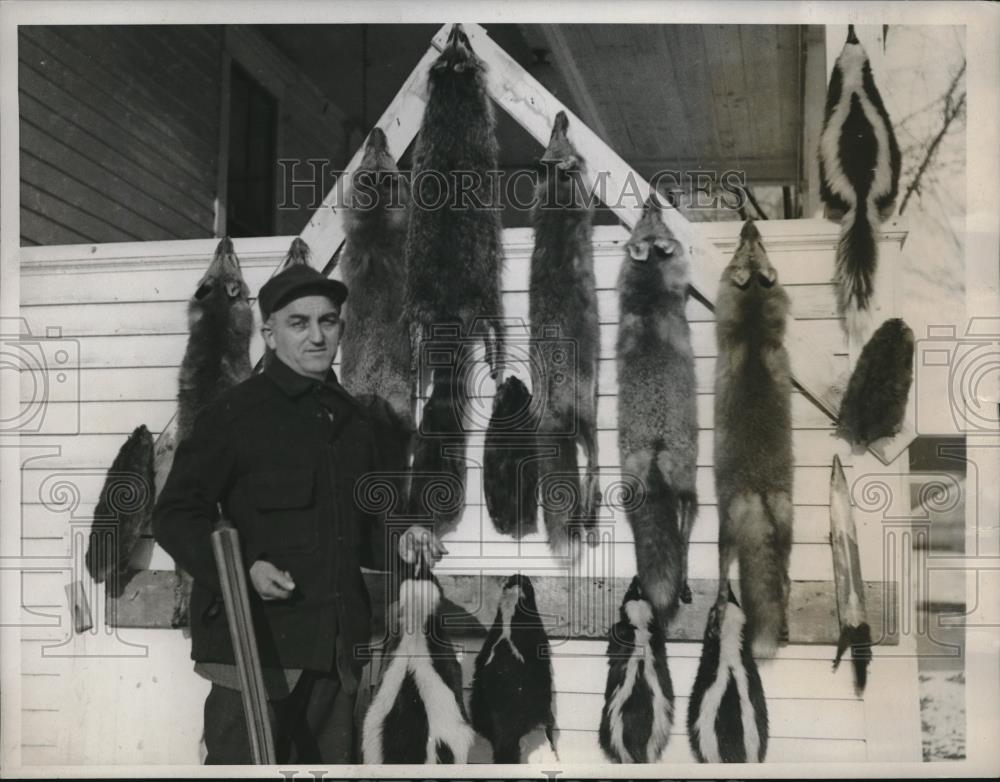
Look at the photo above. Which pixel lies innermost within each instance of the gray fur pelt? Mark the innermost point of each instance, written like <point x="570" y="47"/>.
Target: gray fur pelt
<point x="657" y="407"/>
<point x="217" y="357"/>
<point x="565" y="339"/>
<point x="753" y="439"/>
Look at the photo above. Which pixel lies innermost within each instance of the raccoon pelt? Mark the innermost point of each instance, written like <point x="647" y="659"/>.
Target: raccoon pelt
<point x="375" y="351"/>
<point x="417" y="714"/>
<point x="875" y="402"/>
<point x="125" y="508"/>
<point x="510" y="473"/>
<point x="217" y="357"/>
<point x="859" y="163"/>
<point x="639" y="697"/>
<point x="657" y="407"/>
<point x="512" y="683"/>
<point x="565" y="339"/>
<point x="753" y="439"/>
<point x="298" y="255"/>
<point x="437" y="478"/>
<point x="454" y="250"/>
<point x="727" y="713"/>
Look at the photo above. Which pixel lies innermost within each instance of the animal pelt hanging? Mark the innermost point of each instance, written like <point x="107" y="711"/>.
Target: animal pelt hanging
<point x="565" y="339"/>
<point x="375" y="350"/>
<point x="510" y="474"/>
<point x="454" y="250"/>
<point x="875" y="402"/>
<point x="727" y="713"/>
<point x="124" y="509"/>
<point x="512" y="684"/>
<point x="657" y="408"/>
<point x="859" y="164"/>
<point x="639" y="697"/>
<point x="417" y="714"/>
<point x="217" y="357"/>
<point x="298" y="255"/>
<point x="753" y="438"/>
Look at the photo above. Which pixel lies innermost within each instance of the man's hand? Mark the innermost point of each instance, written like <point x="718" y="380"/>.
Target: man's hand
<point x="271" y="583"/>
<point x="420" y="542"/>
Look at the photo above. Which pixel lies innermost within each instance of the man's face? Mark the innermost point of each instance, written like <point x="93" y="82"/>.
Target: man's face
<point x="305" y="334"/>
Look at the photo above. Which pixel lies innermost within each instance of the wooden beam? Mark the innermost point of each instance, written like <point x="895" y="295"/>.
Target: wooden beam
<point x="571" y="607"/>
<point x="623" y="191"/>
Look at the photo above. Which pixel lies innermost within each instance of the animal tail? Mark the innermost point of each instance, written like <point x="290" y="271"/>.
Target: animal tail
<point x="857" y="257"/>
<point x="437" y="488"/>
<point x="659" y="543"/>
<point x="567" y="510"/>
<point x="859" y="638"/>
<point x="763" y="577"/>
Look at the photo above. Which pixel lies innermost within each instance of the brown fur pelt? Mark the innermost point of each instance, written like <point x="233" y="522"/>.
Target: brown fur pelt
<point x="220" y="322"/>
<point x="125" y="509"/>
<point x="657" y="407"/>
<point x="875" y="402"/>
<point x="565" y="338"/>
<point x="375" y="351"/>
<point x="753" y="439"/>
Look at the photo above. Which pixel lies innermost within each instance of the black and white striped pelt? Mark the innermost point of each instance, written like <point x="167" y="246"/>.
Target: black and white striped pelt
<point x="512" y="685"/>
<point x="639" y="697"/>
<point x="417" y="714"/>
<point x="727" y="713"/>
<point x="859" y="165"/>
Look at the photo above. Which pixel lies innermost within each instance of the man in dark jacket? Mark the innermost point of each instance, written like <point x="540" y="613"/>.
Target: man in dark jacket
<point x="286" y="454"/>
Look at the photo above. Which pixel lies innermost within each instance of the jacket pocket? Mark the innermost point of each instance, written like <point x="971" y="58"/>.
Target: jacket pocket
<point x="286" y="510"/>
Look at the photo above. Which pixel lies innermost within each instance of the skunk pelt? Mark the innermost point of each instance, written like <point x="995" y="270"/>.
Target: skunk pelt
<point x="859" y="164"/>
<point x="375" y="351"/>
<point x="727" y="712"/>
<point x="754" y="465"/>
<point x="512" y="684"/>
<point x="639" y="697"/>
<point x="417" y="714"/>
<point x="220" y="322"/>
<point x="875" y="402"/>
<point x="565" y="340"/>
<point x="657" y="407"/>
<point x="509" y="465"/>
<point x="124" y="509"/>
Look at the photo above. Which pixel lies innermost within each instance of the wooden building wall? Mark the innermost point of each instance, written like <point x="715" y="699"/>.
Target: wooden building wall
<point x="124" y="310"/>
<point x="121" y="129"/>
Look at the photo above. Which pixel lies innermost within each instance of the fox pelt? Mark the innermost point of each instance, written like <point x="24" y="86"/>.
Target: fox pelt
<point x="375" y="350"/>
<point x="510" y="473"/>
<point x="875" y="402"/>
<point x="125" y="508"/>
<point x="220" y="322"/>
<point x="753" y="438"/>
<point x="417" y="714"/>
<point x="454" y="249"/>
<point x="639" y="697"/>
<point x="657" y="408"/>
<point x="298" y="255"/>
<point x="727" y="713"/>
<point x="565" y="339"/>
<point x="512" y="683"/>
<point x="859" y="163"/>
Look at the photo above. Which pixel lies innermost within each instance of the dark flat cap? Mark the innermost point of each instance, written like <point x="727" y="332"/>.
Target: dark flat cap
<point x="294" y="282"/>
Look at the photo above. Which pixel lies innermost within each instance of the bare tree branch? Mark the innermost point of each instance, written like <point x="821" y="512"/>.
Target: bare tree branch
<point x="954" y="107"/>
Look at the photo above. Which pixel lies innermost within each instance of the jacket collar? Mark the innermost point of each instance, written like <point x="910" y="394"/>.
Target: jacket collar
<point x="293" y="384"/>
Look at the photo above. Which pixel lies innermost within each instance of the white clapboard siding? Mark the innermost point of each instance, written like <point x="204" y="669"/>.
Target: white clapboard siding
<point x="119" y="313"/>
